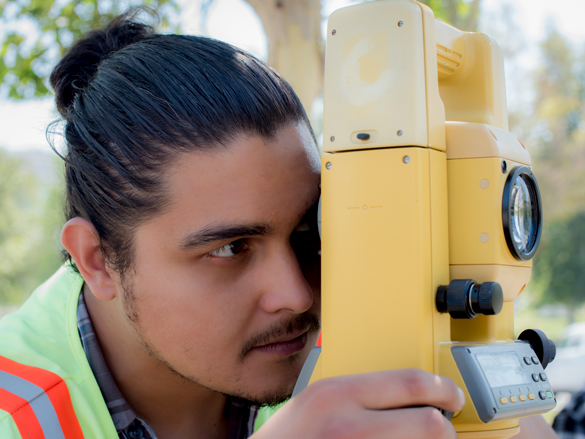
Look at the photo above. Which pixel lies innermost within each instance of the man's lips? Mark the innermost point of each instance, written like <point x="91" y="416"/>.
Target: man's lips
<point x="285" y="345"/>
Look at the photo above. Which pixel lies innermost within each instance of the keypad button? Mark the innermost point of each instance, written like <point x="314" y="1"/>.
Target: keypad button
<point x="542" y="394"/>
<point x="522" y="397"/>
<point x="543" y="376"/>
<point x="527" y="360"/>
<point x="535" y="377"/>
<point x="535" y="360"/>
<point x="503" y="400"/>
<point x="531" y="396"/>
<point x="549" y="394"/>
<point x="513" y="399"/>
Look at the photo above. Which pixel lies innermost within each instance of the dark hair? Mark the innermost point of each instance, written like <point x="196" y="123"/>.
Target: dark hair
<point x="134" y="100"/>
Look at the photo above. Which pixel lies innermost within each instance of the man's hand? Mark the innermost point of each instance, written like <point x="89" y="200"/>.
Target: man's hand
<point x="368" y="406"/>
<point x="535" y="427"/>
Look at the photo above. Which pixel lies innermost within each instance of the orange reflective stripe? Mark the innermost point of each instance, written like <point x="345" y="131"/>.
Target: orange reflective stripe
<point x="59" y="396"/>
<point x="23" y="415"/>
<point x="55" y="389"/>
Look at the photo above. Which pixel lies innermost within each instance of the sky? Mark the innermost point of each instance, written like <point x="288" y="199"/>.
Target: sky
<point x="23" y="124"/>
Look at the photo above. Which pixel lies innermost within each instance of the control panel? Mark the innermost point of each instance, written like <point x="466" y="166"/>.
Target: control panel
<point x="504" y="380"/>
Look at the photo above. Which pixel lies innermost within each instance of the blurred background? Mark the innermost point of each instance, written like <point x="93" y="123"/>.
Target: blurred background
<point x="544" y="48"/>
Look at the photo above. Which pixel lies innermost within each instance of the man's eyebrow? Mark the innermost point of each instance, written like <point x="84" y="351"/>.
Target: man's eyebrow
<point x="222" y="233"/>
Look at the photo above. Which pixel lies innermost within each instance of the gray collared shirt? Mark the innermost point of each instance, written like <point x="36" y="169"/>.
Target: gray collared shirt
<point x="241" y="416"/>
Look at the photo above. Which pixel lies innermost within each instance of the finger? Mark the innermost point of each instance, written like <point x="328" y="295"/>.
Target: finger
<point x="405" y="388"/>
<point x="411" y="423"/>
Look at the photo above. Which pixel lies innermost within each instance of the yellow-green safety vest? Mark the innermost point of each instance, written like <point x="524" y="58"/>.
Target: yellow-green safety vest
<point x="47" y="388"/>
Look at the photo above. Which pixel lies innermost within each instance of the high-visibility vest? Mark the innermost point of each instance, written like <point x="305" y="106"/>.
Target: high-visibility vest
<point x="47" y="388"/>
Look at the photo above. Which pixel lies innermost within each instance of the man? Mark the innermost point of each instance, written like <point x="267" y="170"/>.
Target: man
<point x="191" y="295"/>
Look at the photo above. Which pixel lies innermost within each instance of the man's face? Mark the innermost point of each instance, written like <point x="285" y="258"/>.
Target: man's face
<point x="226" y="282"/>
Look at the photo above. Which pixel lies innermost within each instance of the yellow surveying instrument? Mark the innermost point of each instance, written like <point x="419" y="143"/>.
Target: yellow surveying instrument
<point x="430" y="215"/>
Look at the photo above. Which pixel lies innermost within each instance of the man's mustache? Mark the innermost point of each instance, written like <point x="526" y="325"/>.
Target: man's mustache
<point x="280" y="329"/>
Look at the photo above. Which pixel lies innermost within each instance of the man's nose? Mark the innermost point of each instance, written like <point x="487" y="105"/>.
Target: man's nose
<point x="284" y="287"/>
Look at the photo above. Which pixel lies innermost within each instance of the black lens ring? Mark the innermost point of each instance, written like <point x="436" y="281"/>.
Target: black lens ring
<point x="530" y="181"/>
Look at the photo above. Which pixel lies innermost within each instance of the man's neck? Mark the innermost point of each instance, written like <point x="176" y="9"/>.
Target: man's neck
<point x="172" y="405"/>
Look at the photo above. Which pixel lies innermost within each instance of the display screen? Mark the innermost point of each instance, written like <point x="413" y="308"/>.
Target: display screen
<point x="503" y="369"/>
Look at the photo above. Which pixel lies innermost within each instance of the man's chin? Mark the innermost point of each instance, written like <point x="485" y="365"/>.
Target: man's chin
<point x="265" y="400"/>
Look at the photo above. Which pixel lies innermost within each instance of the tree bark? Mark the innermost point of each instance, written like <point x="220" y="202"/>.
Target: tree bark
<point x="471" y="20"/>
<point x="468" y="22"/>
<point x="571" y="311"/>
<point x="295" y="45"/>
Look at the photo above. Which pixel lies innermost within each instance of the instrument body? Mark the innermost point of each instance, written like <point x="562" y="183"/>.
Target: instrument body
<point x="417" y="159"/>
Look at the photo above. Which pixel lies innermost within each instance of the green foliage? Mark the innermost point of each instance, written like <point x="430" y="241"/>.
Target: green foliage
<point x="555" y="140"/>
<point x="462" y="14"/>
<point x="557" y="130"/>
<point x="30" y="220"/>
<point x="47" y="28"/>
<point x="559" y="267"/>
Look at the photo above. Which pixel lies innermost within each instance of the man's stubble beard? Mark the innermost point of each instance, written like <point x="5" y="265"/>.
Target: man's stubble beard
<point x="269" y="399"/>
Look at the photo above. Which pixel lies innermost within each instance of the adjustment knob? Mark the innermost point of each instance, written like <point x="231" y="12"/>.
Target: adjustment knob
<point x="543" y="347"/>
<point x="490" y="298"/>
<point x="465" y="299"/>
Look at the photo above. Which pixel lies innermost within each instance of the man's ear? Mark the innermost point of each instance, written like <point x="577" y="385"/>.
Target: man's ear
<point x="80" y="239"/>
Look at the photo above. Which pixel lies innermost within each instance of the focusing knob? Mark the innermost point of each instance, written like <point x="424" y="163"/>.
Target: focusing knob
<point x="491" y="298"/>
<point x="543" y="347"/>
<point x="464" y="298"/>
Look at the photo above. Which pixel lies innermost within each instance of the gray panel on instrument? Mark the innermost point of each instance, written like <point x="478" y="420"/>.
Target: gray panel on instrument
<point x="496" y="375"/>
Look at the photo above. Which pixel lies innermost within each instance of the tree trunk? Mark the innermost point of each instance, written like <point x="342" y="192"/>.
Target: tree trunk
<point x="471" y="21"/>
<point x="295" y="46"/>
<point x="467" y="22"/>
<point x="571" y="310"/>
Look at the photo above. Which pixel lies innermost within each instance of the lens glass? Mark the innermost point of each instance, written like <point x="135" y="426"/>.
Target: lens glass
<point x="523" y="224"/>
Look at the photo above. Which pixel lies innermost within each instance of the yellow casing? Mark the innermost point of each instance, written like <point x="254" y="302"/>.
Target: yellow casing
<point x="417" y="203"/>
<point x="368" y="59"/>
<point x="384" y="250"/>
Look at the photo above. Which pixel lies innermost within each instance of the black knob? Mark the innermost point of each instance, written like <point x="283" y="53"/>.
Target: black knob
<point x="491" y="298"/>
<point x="464" y="298"/>
<point x="543" y="347"/>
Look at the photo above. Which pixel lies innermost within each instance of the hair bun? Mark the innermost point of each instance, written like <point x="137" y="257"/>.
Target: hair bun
<point x="78" y="66"/>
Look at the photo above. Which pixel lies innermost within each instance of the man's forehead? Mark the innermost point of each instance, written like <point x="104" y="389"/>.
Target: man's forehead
<point x="250" y="181"/>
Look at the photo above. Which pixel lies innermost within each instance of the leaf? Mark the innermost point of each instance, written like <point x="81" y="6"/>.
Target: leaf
<point x="81" y="16"/>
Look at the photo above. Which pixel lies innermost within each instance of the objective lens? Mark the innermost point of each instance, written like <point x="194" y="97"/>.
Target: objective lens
<point x="521" y="213"/>
<point x="522" y="224"/>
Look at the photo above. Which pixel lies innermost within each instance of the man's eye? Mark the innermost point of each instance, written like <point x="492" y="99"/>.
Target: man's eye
<point x="305" y="238"/>
<point x="304" y="227"/>
<point x="231" y="249"/>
